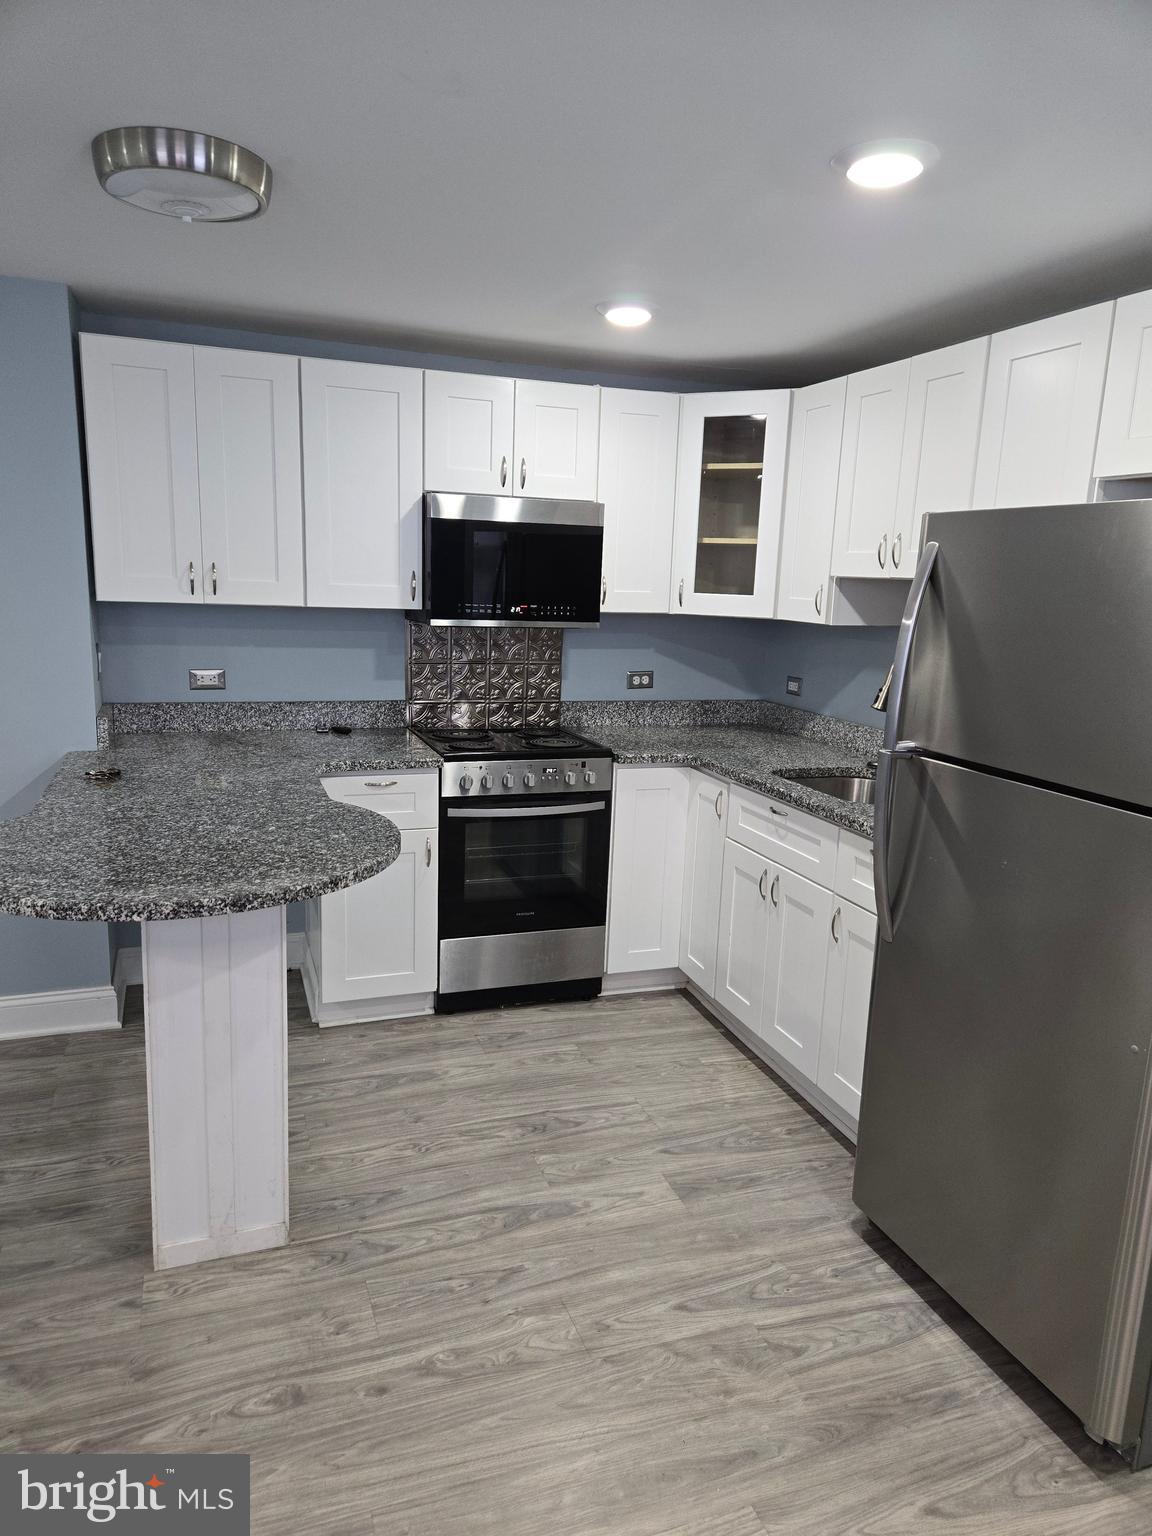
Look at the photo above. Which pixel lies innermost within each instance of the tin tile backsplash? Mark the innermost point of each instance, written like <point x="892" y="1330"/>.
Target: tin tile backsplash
<point x="504" y="678"/>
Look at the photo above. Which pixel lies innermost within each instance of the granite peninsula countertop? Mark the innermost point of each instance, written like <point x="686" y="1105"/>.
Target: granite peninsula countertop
<point x="201" y="824"/>
<point x="754" y="758"/>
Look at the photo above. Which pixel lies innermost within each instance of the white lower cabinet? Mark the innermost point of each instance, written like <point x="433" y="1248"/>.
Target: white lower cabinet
<point x="795" y="967"/>
<point x="847" y="993"/>
<point x="649" y="819"/>
<point x="371" y="950"/>
<point x="742" y="949"/>
<point x="703" y="866"/>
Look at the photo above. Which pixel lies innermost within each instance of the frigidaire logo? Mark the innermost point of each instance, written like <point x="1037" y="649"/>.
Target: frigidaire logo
<point x="198" y="1493"/>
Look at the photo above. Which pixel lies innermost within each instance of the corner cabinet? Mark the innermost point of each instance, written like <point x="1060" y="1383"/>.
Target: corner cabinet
<point x="510" y="437"/>
<point x="193" y="472"/>
<point x="363" y="486"/>
<point x="1125" y="443"/>
<point x="703" y="869"/>
<point x="729" y="502"/>
<point x="810" y="503"/>
<point x="649" y="820"/>
<point x="637" y="484"/>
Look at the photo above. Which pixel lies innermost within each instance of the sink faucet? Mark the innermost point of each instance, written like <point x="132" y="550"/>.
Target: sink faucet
<point x="881" y="699"/>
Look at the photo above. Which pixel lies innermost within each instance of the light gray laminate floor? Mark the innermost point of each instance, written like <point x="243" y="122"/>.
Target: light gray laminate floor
<point x="572" y="1271"/>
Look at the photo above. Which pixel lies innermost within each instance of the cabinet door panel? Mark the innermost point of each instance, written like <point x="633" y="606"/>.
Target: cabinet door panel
<point x="797" y="960"/>
<point x="637" y="484"/>
<point x="702" y="871"/>
<point x="875" y="407"/>
<point x="810" y="502"/>
<point x="1125" y="443"/>
<point x="468" y="433"/>
<point x="556" y="440"/>
<point x="362" y="484"/>
<point x="941" y="431"/>
<point x="1042" y="410"/>
<point x="248" y="432"/>
<point x="649" y="821"/>
<point x="729" y="502"/>
<point x="143" y="482"/>
<point x="379" y="937"/>
<point x="847" y="995"/>
<point x="743" y="935"/>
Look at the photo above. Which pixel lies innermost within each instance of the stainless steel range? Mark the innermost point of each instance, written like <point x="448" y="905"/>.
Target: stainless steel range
<point x="525" y="818"/>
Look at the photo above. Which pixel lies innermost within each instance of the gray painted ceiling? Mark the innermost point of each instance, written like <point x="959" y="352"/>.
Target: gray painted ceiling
<point x="475" y="175"/>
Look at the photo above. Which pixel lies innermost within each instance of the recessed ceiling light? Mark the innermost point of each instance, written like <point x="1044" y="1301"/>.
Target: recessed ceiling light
<point x="181" y="174"/>
<point x="886" y="163"/>
<point x="627" y="315"/>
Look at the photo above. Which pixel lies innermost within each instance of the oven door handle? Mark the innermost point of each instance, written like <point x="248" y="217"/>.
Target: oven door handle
<point x="490" y="812"/>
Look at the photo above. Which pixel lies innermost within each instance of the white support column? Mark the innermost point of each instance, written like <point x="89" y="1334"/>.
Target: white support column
<point x="216" y="1028"/>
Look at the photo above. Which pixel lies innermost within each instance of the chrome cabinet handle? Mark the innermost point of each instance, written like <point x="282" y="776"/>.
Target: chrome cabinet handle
<point x="819" y="597"/>
<point x="776" y="811"/>
<point x="428" y="853"/>
<point x="764" y="886"/>
<point x="503" y="471"/>
<point x="719" y="804"/>
<point x="412" y="586"/>
<point x="603" y="590"/>
<point x="213" y="578"/>
<point x="882" y="551"/>
<point x="192" y="578"/>
<point x="380" y="783"/>
<point x="681" y="591"/>
<point x="835" y="930"/>
<point x="776" y="890"/>
<point x="523" y="472"/>
<point x="897" y="546"/>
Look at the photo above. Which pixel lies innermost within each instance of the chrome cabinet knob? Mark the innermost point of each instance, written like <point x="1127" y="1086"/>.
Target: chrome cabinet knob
<point x="465" y="781"/>
<point x="509" y="780"/>
<point x="529" y="780"/>
<point x="589" y="776"/>
<point x="570" y="776"/>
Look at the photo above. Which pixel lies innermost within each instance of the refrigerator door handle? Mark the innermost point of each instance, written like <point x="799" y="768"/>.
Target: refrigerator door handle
<point x="919" y="590"/>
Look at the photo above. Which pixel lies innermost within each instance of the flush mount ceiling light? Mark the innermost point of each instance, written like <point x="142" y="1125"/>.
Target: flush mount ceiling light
<point x="886" y="163"/>
<point x="182" y="174"/>
<point x="627" y="315"/>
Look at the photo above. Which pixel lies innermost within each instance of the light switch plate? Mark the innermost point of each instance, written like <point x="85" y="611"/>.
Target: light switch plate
<point x="795" y="686"/>
<point x="206" y="677"/>
<point x="640" y="679"/>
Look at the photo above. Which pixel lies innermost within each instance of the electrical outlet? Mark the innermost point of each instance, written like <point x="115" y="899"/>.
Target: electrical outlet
<point x="640" y="679"/>
<point x="206" y="677"/>
<point x="795" y="686"/>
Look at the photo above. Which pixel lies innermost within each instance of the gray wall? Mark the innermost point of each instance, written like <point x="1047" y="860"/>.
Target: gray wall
<point x="47" y="687"/>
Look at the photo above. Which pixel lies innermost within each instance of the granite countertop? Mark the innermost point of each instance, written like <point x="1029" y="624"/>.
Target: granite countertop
<point x="201" y="824"/>
<point x="755" y="758"/>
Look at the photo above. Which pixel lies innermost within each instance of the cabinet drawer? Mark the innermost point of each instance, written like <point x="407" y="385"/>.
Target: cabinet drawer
<point x="408" y="799"/>
<point x="854" y="870"/>
<point x="783" y="833"/>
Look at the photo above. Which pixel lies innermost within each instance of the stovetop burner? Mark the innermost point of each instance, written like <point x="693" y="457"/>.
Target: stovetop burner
<point x="461" y="736"/>
<point x="463" y="743"/>
<point x="549" y="739"/>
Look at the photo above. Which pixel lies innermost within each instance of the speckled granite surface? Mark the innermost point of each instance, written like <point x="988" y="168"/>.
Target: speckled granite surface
<point x="200" y="824"/>
<point x="239" y="715"/>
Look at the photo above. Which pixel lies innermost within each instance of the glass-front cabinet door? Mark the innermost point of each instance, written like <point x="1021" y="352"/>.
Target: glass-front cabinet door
<point x="729" y="500"/>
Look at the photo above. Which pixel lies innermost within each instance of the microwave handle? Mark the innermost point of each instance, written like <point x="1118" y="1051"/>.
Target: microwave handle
<point x="485" y="812"/>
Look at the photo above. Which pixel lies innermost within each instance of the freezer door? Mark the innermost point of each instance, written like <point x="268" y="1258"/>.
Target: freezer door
<point x="1005" y="1124"/>
<point x="1033" y="650"/>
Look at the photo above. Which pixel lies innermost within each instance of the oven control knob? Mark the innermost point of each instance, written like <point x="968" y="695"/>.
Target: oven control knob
<point x="589" y="776"/>
<point x="508" y="780"/>
<point x="485" y="781"/>
<point x="465" y="782"/>
<point x="529" y="780"/>
<point x="570" y="777"/>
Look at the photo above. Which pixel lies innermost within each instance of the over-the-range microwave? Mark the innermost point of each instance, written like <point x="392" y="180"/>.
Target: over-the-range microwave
<point x="494" y="560"/>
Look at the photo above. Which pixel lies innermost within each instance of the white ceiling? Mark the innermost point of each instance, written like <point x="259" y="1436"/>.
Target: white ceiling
<point x="475" y="175"/>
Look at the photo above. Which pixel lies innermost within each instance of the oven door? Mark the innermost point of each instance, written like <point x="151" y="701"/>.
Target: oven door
<point x="493" y="560"/>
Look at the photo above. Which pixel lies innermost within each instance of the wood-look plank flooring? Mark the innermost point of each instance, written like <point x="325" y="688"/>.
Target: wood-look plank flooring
<point x="583" y="1270"/>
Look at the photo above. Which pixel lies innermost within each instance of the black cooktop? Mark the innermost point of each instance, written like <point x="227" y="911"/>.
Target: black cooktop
<point x="456" y="745"/>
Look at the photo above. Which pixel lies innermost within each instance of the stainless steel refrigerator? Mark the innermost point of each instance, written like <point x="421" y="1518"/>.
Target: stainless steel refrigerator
<point x="1006" y="1125"/>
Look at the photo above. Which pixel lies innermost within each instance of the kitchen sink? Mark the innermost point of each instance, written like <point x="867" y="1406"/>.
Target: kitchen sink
<point x="860" y="791"/>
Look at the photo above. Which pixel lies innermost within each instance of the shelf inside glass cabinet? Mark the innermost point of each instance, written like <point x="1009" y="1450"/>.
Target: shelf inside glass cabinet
<point x="728" y="528"/>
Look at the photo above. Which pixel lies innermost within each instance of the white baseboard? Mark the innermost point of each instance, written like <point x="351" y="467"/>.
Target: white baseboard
<point x="79" y="1010"/>
<point x="129" y="968"/>
<point x="643" y="981"/>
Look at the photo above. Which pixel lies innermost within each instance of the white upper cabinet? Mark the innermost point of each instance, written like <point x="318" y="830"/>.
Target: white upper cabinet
<point x="637" y="484"/>
<point x="875" y="406"/>
<point x="143" y="481"/>
<point x="1125" y="443"/>
<point x="729" y="501"/>
<point x="248" y="440"/>
<point x="941" y="432"/>
<point x="363" y="483"/>
<point x="556" y="440"/>
<point x="468" y="426"/>
<point x="510" y="437"/>
<point x="810" y="502"/>
<point x="1042" y="410"/>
